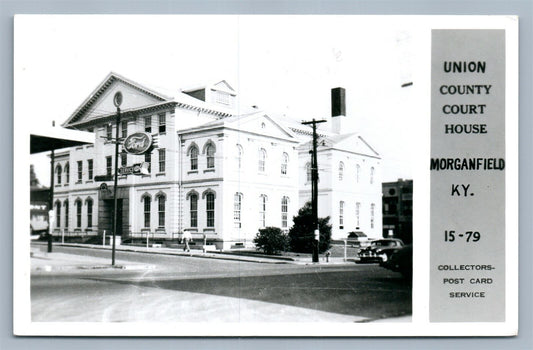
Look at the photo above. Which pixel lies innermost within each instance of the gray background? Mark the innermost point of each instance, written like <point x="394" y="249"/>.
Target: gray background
<point x="522" y="8"/>
<point x="484" y="211"/>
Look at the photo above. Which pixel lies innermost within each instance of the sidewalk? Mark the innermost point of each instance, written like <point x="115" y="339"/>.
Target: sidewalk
<point x="43" y="261"/>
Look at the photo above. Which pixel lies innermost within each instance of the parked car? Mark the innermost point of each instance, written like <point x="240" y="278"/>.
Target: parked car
<point x="401" y="261"/>
<point x="379" y="250"/>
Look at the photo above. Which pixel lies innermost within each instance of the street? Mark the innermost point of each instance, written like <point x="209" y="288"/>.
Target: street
<point x="193" y="289"/>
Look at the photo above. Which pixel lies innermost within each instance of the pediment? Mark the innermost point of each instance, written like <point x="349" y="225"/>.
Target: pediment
<point x="262" y="124"/>
<point x="100" y="102"/>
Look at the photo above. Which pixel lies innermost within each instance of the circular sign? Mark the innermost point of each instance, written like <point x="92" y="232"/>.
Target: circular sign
<point x="103" y="186"/>
<point x="138" y="143"/>
<point x="117" y="99"/>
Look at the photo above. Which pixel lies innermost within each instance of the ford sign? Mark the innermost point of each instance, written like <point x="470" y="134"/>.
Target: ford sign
<point x="138" y="143"/>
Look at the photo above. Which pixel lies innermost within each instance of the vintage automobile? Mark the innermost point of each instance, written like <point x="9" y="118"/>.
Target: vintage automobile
<point x="401" y="261"/>
<point x="379" y="250"/>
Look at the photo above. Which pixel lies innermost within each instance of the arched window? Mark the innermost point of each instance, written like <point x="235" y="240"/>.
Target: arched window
<point x="65" y="204"/>
<point x="308" y="174"/>
<point x="341" y="214"/>
<point x="78" y="212"/>
<point x="193" y="152"/>
<point x="210" y="151"/>
<point x="357" y="212"/>
<point x="237" y="205"/>
<point x="372" y="210"/>
<point x="372" y="175"/>
<point x="147" y="202"/>
<point x="193" y="198"/>
<point x="262" y="160"/>
<point x="284" y="163"/>
<point x="161" y="202"/>
<point x="58" y="174"/>
<point x="284" y="211"/>
<point x="357" y="172"/>
<point x="210" y="209"/>
<point x="239" y="156"/>
<point x="262" y="210"/>
<point x="67" y="173"/>
<point x="89" y="203"/>
<point x="58" y="214"/>
<point x="341" y="171"/>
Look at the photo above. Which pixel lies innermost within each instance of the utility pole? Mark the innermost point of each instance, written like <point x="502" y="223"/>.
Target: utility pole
<point x="314" y="187"/>
<point x="117" y="100"/>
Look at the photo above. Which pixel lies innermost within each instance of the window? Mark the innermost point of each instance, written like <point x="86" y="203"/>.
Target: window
<point x="239" y="156"/>
<point x="372" y="175"/>
<point x="222" y="98"/>
<point x="108" y="165"/>
<point x="78" y="213"/>
<point x="161" y="210"/>
<point x="237" y="202"/>
<point x="123" y="159"/>
<point x="80" y="170"/>
<point x="284" y="211"/>
<point x="341" y="171"/>
<point x="262" y="160"/>
<point x="109" y="132"/>
<point x="58" y="174"/>
<point x="162" y="156"/>
<point x="194" y="210"/>
<point x="148" y="124"/>
<point x="194" y="158"/>
<point x="162" y="123"/>
<point x="284" y="163"/>
<point x="65" y="204"/>
<point x="67" y="173"/>
<point x="341" y="214"/>
<point x="89" y="213"/>
<point x="357" y="172"/>
<point x="90" y="168"/>
<point x="262" y="210"/>
<point x="308" y="173"/>
<point x="148" y="159"/>
<point x="357" y="211"/>
<point x="58" y="214"/>
<point x="210" y="209"/>
<point x="372" y="207"/>
<point x="124" y="125"/>
<point x="210" y="150"/>
<point x="146" y="201"/>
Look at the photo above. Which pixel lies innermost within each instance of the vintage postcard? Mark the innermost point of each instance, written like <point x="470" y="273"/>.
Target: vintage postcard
<point x="246" y="175"/>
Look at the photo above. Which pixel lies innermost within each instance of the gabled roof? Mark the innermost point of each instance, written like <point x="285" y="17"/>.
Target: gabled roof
<point x="352" y="142"/>
<point x="236" y="123"/>
<point x="102" y="87"/>
<point x="221" y="85"/>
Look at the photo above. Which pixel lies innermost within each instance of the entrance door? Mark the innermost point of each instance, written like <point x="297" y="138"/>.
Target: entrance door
<point x="105" y="220"/>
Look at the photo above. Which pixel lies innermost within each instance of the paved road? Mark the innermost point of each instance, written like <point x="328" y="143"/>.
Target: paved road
<point x="196" y="289"/>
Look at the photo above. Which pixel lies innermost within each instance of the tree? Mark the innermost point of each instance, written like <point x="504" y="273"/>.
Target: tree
<point x="301" y="234"/>
<point x="271" y="240"/>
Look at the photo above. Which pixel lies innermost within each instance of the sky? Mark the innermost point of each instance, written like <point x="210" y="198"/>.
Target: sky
<point x="286" y="65"/>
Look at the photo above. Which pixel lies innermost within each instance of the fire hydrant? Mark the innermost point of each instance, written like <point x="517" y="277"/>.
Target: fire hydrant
<point x="328" y="253"/>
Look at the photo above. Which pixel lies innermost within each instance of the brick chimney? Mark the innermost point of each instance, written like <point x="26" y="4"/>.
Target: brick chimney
<point x="338" y="109"/>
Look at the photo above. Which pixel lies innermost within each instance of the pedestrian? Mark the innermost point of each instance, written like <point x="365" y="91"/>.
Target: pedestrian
<point x="328" y="254"/>
<point x="185" y="240"/>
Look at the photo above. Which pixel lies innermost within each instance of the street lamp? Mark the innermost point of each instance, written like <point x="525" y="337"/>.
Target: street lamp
<point x="117" y="101"/>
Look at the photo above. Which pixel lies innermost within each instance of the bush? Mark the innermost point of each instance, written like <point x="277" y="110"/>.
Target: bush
<point x="271" y="240"/>
<point x="301" y="234"/>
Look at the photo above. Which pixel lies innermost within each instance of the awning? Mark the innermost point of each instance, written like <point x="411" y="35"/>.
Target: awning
<point x="48" y="139"/>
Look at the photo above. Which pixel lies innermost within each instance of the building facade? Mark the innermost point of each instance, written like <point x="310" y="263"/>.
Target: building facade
<point x="398" y="210"/>
<point x="216" y="173"/>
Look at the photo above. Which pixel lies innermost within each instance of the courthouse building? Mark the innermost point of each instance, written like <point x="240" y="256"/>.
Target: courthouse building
<point x="217" y="173"/>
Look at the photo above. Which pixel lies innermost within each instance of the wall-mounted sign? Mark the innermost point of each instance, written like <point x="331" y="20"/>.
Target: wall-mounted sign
<point x="138" y="143"/>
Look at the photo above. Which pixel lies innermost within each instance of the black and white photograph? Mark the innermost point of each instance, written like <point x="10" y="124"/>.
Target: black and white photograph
<point x="229" y="175"/>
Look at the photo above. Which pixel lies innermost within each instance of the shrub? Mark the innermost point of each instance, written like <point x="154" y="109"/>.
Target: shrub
<point x="301" y="234"/>
<point x="271" y="240"/>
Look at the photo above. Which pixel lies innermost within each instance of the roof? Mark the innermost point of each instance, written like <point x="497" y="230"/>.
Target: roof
<point x="48" y="139"/>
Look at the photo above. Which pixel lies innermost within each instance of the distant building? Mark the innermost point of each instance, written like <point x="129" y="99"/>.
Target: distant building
<point x="398" y="210"/>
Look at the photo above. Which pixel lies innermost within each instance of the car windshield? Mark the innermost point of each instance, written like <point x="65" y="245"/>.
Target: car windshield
<point x="384" y="244"/>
